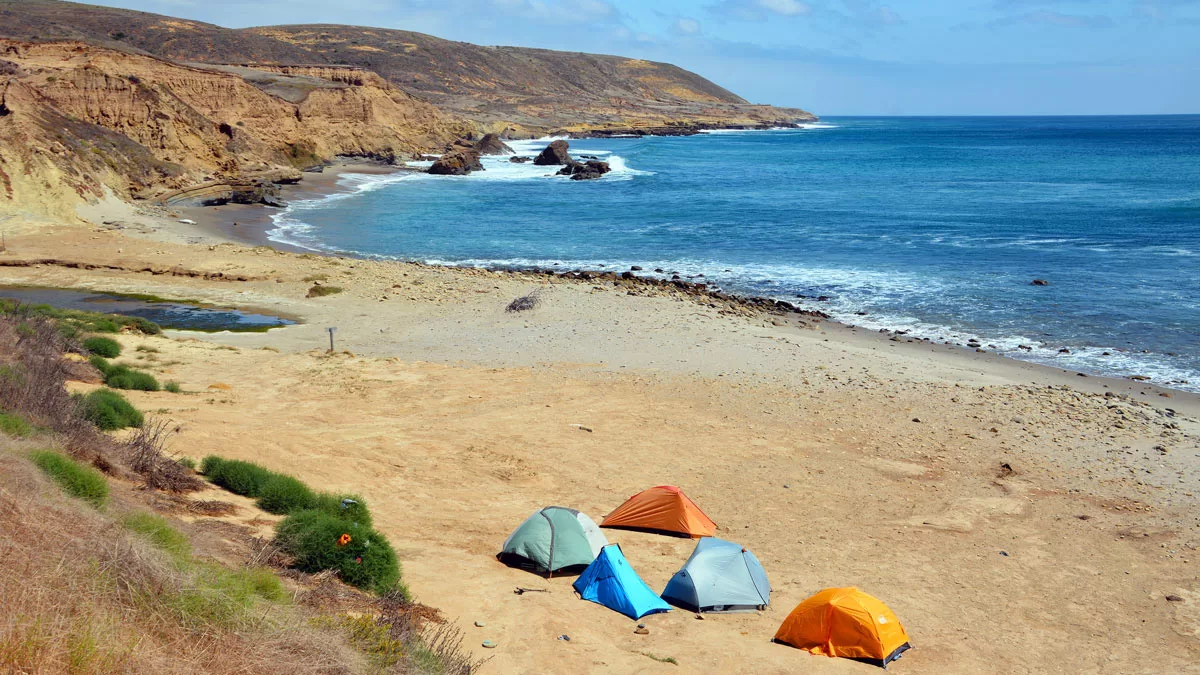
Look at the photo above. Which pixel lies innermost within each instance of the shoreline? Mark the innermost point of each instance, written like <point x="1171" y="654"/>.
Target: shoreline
<point x="248" y="224"/>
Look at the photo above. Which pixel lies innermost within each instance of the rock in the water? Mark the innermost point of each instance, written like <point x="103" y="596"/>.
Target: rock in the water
<point x="1039" y="282"/>
<point x="593" y="169"/>
<point x="519" y="160"/>
<point x="555" y="154"/>
<point x="458" y="162"/>
<point x="491" y="144"/>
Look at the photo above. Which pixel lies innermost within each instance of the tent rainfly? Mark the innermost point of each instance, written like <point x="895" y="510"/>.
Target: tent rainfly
<point x="554" y="538"/>
<point x="848" y="623"/>
<point x="664" y="509"/>
<point x="720" y="576"/>
<point x="611" y="581"/>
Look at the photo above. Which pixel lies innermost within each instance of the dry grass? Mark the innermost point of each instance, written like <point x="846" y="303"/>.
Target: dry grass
<point x="526" y="302"/>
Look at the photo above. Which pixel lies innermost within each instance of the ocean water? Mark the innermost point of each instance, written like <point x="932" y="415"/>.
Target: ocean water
<point x="932" y="225"/>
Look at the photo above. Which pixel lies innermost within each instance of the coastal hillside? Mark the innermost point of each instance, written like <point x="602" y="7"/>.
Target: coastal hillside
<point x="524" y="91"/>
<point x="77" y="119"/>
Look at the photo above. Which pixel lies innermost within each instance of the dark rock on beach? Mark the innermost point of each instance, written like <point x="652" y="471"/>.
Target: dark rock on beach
<point x="458" y="162"/>
<point x="555" y="154"/>
<point x="491" y="144"/>
<point x="520" y="160"/>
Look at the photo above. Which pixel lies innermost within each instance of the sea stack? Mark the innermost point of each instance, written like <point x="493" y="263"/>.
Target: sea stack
<point x="459" y="162"/>
<point x="491" y="144"/>
<point x="555" y="154"/>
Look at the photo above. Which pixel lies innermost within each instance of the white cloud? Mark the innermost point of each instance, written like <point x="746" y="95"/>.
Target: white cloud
<point x="760" y="10"/>
<point x="685" y="26"/>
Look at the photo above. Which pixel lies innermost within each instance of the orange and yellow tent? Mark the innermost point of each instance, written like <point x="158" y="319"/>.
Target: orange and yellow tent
<point x="848" y="623"/>
<point x="664" y="508"/>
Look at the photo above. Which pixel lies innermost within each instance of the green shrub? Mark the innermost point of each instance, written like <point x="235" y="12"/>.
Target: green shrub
<point x="160" y="533"/>
<point x="173" y="387"/>
<point x="331" y="503"/>
<point x="284" y="494"/>
<point x="240" y="478"/>
<point x="76" y="479"/>
<point x="210" y="465"/>
<point x="187" y="462"/>
<point x="368" y="561"/>
<point x="15" y="425"/>
<point x="101" y="364"/>
<point x="124" y="377"/>
<point x="102" y="346"/>
<point x="109" y="410"/>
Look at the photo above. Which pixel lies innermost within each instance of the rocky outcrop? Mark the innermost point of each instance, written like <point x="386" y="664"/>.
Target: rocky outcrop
<point x="585" y="171"/>
<point x="459" y="162"/>
<point x="555" y="154"/>
<point x="491" y="144"/>
<point x="519" y="160"/>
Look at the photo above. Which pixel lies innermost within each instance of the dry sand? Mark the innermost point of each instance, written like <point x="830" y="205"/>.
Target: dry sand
<point x="1026" y="523"/>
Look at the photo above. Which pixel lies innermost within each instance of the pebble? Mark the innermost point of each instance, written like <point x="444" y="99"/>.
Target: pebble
<point x="488" y="644"/>
<point x="480" y="624"/>
<point x="1174" y="598"/>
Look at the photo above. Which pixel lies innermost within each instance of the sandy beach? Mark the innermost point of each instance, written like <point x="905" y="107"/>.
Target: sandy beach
<point x="1017" y="518"/>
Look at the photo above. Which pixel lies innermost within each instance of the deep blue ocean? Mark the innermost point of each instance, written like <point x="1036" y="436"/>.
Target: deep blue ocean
<point x="934" y="225"/>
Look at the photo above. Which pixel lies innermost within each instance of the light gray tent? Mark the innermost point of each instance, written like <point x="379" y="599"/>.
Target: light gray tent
<point x="553" y="538"/>
<point x="719" y="577"/>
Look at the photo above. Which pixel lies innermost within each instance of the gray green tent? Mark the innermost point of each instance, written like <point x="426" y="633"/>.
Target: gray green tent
<point x="719" y="577"/>
<point x="554" y="538"/>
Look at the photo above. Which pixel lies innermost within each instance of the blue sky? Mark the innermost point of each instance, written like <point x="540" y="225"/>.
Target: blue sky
<point x="833" y="57"/>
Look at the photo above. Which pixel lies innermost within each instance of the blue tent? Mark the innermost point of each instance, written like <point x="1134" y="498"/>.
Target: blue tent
<point x="611" y="582"/>
<point x="719" y="577"/>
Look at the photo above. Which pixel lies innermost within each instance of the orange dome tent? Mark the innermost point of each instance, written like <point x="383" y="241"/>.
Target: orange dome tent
<point x="848" y="623"/>
<point x="664" y="508"/>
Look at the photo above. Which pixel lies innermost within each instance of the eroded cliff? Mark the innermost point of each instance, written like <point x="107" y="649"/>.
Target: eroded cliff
<point x="79" y="117"/>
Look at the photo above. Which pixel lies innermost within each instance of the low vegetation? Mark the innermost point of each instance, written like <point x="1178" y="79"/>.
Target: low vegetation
<point x="120" y="589"/>
<point x="319" y="291"/>
<point x="15" y="425"/>
<point x="361" y="556"/>
<point x="102" y="346"/>
<point x="109" y="410"/>
<point x="119" y="376"/>
<point x="322" y="531"/>
<point x="72" y="323"/>
<point x="77" y="480"/>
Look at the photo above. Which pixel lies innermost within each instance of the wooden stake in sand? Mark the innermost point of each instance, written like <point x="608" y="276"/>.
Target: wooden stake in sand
<point x="331" y="330"/>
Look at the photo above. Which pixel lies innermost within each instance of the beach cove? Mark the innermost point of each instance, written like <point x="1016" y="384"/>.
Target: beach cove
<point x="953" y="485"/>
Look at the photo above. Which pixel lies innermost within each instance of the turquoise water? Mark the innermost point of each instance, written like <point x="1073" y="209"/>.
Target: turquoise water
<point x="932" y="225"/>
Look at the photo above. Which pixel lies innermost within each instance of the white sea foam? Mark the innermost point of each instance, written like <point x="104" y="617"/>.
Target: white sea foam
<point x="292" y="231"/>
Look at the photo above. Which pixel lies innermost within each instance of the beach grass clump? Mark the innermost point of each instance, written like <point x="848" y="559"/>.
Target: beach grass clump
<point x="319" y="291"/>
<point x="159" y="532"/>
<point x="348" y="507"/>
<point x="282" y="495"/>
<point x="239" y="477"/>
<point x="173" y="387"/>
<point x="124" y="377"/>
<point x="109" y="410"/>
<point x="362" y="557"/>
<point x="120" y="376"/>
<point x="15" y="425"/>
<point x="103" y="346"/>
<point x="77" y="480"/>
